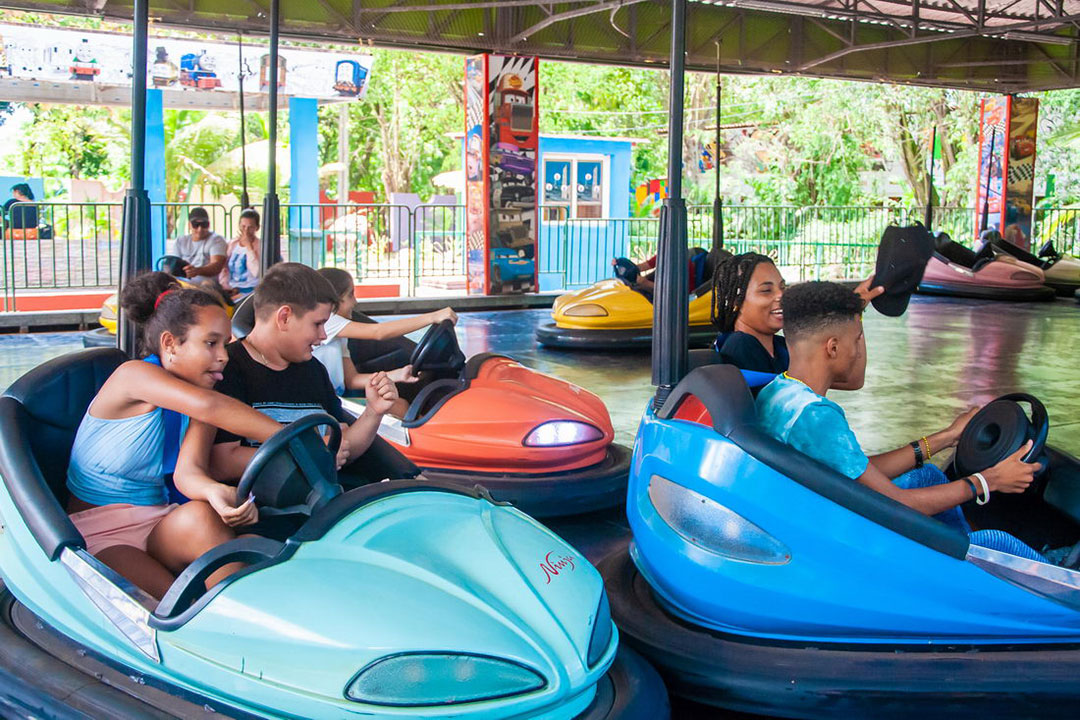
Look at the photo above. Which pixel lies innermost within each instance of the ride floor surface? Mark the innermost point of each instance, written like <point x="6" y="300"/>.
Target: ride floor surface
<point x="941" y="357"/>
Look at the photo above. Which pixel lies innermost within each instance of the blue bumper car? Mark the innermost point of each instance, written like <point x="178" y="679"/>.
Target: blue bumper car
<point x="760" y="580"/>
<point x="394" y="600"/>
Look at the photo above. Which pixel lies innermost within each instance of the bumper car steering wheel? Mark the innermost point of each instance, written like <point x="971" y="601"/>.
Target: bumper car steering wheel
<point x="626" y="270"/>
<point x="438" y="350"/>
<point x="294" y="471"/>
<point x="172" y="264"/>
<point x="999" y="430"/>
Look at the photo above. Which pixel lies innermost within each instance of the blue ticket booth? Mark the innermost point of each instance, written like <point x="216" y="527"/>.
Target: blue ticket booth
<point x="585" y="197"/>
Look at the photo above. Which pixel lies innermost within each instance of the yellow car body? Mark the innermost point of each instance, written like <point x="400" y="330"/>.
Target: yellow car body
<point x="613" y="305"/>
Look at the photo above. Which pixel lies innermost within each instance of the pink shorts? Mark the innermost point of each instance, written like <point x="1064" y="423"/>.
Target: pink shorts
<point x="118" y="524"/>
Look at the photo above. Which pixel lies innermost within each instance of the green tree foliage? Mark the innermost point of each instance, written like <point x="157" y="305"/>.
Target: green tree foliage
<point x="399" y="133"/>
<point x="62" y="142"/>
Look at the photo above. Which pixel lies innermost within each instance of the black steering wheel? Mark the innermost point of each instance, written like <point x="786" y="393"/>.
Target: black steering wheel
<point x="999" y="430"/>
<point x="626" y="271"/>
<point x="438" y="350"/>
<point x="172" y="264"/>
<point x="294" y="471"/>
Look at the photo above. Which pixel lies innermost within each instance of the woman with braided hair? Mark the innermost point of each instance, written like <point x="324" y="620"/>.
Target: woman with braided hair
<point x="747" y="289"/>
<point x="746" y="310"/>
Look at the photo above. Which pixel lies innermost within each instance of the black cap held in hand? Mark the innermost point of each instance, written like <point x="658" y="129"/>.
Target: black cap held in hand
<point x="901" y="262"/>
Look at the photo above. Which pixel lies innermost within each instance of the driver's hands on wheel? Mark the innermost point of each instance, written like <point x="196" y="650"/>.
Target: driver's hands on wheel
<point x="380" y="393"/>
<point x="447" y="313"/>
<point x="1012" y="475"/>
<point x="951" y="435"/>
<point x="867" y="293"/>
<point x="403" y="375"/>
<point x="223" y="499"/>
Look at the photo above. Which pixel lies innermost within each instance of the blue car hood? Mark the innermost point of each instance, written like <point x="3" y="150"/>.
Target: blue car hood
<point x="414" y="572"/>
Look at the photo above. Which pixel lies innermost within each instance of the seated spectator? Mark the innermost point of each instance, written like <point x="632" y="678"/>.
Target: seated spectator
<point x="24" y="216"/>
<point x="203" y="249"/>
<point x="242" y="265"/>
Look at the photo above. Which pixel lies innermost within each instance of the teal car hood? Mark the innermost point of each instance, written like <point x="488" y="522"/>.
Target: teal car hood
<point x="414" y="572"/>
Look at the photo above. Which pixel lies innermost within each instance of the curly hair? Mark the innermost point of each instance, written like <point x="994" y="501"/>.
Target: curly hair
<point x="157" y="303"/>
<point x="729" y="283"/>
<point x="810" y="307"/>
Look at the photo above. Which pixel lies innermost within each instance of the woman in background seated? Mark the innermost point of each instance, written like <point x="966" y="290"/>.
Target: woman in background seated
<point x="242" y="263"/>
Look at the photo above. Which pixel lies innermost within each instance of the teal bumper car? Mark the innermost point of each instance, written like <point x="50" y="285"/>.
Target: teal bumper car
<point x="402" y="599"/>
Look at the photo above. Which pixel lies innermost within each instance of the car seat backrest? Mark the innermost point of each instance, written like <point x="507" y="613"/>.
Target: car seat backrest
<point x="957" y="253"/>
<point x="721" y="390"/>
<point x="55" y="396"/>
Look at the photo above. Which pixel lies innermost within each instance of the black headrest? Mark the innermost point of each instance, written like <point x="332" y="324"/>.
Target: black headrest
<point x="243" y="319"/>
<point x="723" y="391"/>
<point x="59" y="391"/>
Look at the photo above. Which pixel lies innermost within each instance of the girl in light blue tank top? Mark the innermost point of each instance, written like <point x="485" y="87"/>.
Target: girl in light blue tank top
<point x="126" y="444"/>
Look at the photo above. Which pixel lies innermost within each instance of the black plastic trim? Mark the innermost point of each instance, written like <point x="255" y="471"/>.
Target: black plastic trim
<point x="980" y="292"/>
<point x="550" y="334"/>
<point x="452" y="387"/>
<point x="551" y="495"/>
<point x="191" y="583"/>
<point x="723" y="392"/>
<point x="814" y="679"/>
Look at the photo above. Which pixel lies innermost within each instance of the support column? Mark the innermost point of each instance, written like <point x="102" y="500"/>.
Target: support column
<point x="271" y="220"/>
<point x="135" y="236"/>
<point x="305" y="238"/>
<point x="154" y="168"/>
<point x="670" y="358"/>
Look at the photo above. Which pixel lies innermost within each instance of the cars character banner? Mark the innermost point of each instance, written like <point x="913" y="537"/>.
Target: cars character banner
<point x="501" y="144"/>
<point x="1006" y="186"/>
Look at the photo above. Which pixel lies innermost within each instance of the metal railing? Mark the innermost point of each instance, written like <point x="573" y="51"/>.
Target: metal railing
<point x="77" y="245"/>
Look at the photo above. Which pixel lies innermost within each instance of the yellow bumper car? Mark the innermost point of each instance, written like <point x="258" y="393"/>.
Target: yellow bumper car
<point x="611" y="315"/>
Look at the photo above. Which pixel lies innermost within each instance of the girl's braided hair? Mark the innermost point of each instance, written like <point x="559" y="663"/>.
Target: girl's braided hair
<point x="729" y="284"/>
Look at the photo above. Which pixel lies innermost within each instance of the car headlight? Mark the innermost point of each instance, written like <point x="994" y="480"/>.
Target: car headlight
<point x="555" y="433"/>
<point x="1021" y="275"/>
<point x="585" y="310"/>
<point x="418" y="679"/>
<point x="601" y="632"/>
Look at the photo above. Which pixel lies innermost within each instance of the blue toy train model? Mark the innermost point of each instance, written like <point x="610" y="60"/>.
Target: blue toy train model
<point x="349" y="78"/>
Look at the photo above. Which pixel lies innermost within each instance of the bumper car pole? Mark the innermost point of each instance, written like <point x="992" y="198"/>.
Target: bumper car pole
<point x="670" y="358"/>
<point x="135" y="235"/>
<point x="271" y="236"/>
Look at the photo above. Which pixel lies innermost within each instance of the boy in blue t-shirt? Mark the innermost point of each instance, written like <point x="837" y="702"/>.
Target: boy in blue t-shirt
<point x="823" y="326"/>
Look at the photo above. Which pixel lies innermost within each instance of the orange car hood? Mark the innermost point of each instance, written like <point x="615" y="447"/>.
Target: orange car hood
<point x="483" y="427"/>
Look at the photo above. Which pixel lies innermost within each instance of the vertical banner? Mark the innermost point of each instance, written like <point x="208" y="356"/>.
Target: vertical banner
<point x="1010" y="165"/>
<point x="501" y="145"/>
<point x="993" y="125"/>
<point x="1020" y="171"/>
<point x="476" y="182"/>
<point x="514" y="116"/>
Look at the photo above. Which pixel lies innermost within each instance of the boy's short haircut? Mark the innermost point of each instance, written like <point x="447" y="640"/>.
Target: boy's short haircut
<point x="298" y="286"/>
<point x="811" y="307"/>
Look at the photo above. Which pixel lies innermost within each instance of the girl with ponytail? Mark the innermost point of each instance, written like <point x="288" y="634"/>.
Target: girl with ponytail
<point x="116" y="476"/>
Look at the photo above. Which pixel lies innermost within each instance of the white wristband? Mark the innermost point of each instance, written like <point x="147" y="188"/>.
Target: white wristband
<point x="985" y="489"/>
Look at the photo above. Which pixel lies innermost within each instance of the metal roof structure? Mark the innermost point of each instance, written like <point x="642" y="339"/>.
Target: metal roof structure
<point x="992" y="45"/>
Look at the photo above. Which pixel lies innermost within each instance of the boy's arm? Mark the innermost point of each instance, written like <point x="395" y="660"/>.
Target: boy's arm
<point x="929" y="500"/>
<point x="381" y="395"/>
<point x="899" y="461"/>
<point x="395" y="328"/>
